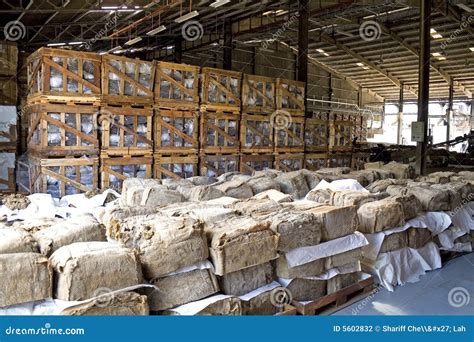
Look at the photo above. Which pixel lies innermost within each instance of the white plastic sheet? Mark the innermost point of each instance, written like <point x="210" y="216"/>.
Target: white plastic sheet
<point x="341" y="184"/>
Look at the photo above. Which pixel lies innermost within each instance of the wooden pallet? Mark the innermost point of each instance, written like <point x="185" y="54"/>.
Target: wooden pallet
<point x="315" y="161"/>
<point x="63" y="73"/>
<point x="177" y="85"/>
<point x="127" y="80"/>
<point x="63" y="130"/>
<point x="8" y="138"/>
<point x="287" y="310"/>
<point x="256" y="134"/>
<point x="359" y="159"/>
<point x="290" y="96"/>
<point x="176" y="131"/>
<point x="126" y="129"/>
<point x="176" y="166"/>
<point x="219" y="131"/>
<point x="289" y="161"/>
<point x="316" y="135"/>
<point x="61" y="176"/>
<point x="339" y="159"/>
<point x="249" y="163"/>
<point x="336" y="301"/>
<point x="7" y="172"/>
<point x="258" y="94"/>
<point x="221" y="89"/>
<point x="114" y="170"/>
<point x="64" y="100"/>
<point x="341" y="136"/>
<point x="214" y="165"/>
<point x="289" y="136"/>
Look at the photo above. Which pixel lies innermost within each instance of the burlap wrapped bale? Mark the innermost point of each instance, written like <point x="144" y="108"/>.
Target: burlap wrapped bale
<point x="269" y="173"/>
<point x="305" y="289"/>
<point x="33" y="225"/>
<point x="312" y="178"/>
<point x="411" y="205"/>
<point x="373" y="165"/>
<point x="81" y="228"/>
<point x="262" y="184"/>
<point x="114" y="216"/>
<point x="137" y="182"/>
<point x="310" y="269"/>
<point x="394" y="242"/>
<point x="200" y="193"/>
<point x="256" y="207"/>
<point x="341" y="281"/>
<point x="418" y="237"/>
<point x="274" y="195"/>
<point x="467" y="175"/>
<point x="400" y="171"/>
<point x="15" y="240"/>
<point x="82" y="269"/>
<point x="344" y="258"/>
<point x="440" y="177"/>
<point x="235" y="188"/>
<point x="334" y="171"/>
<point x="202" y="180"/>
<point x="246" y="280"/>
<point x="260" y="305"/>
<point x="155" y="196"/>
<point x="382" y="184"/>
<point x="221" y="306"/>
<point x="165" y="244"/>
<point x="25" y="277"/>
<point x="173" y="184"/>
<point x="431" y="199"/>
<point x="181" y="288"/>
<point x="380" y="215"/>
<point x="320" y="196"/>
<point x="336" y="221"/>
<point x="458" y="192"/>
<point x="293" y="183"/>
<point x="120" y="304"/>
<point x="351" y="197"/>
<point x="364" y="177"/>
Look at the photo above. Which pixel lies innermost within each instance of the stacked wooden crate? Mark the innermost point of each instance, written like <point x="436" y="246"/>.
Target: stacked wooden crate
<point x="176" y="121"/>
<point x="220" y="115"/>
<point x="126" y="120"/>
<point x="256" y="126"/>
<point x="62" y="108"/>
<point x="341" y="135"/>
<point x="316" y="136"/>
<point x="288" y="122"/>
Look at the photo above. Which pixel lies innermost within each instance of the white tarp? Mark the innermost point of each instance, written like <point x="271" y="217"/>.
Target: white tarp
<point x="341" y="184"/>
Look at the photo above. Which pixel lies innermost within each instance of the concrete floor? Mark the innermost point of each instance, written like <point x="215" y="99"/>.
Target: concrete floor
<point x="429" y="296"/>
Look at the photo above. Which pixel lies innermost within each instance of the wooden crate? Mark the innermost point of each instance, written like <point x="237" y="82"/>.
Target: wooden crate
<point x="221" y="89"/>
<point x="315" y="161"/>
<point x="256" y="134"/>
<point x="316" y="134"/>
<point x="8" y="128"/>
<point x="7" y="172"/>
<point x="214" y="165"/>
<point x="127" y="80"/>
<point x="289" y="135"/>
<point x="339" y="159"/>
<point x="8" y="91"/>
<point x="126" y="129"/>
<point x="258" y="94"/>
<point x="177" y="85"/>
<point x="58" y="75"/>
<point x="63" y="130"/>
<point x="219" y="131"/>
<point x="290" y="96"/>
<point x="176" y="130"/>
<point x="249" y="163"/>
<point x="114" y="170"/>
<point x="176" y="166"/>
<point x="289" y="161"/>
<point x="359" y="159"/>
<point x="62" y="176"/>
<point x="340" y="135"/>
<point x="8" y="58"/>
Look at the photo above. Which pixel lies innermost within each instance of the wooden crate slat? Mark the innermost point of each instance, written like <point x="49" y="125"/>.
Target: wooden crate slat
<point x="339" y="160"/>
<point x="218" y="164"/>
<point x="341" y="135"/>
<point x="316" y="133"/>
<point x="315" y="161"/>
<point x="290" y="96"/>
<point x="221" y="88"/>
<point x="115" y="169"/>
<point x="249" y="163"/>
<point x="256" y="133"/>
<point x="176" y="131"/>
<point x="289" y="161"/>
<point x="126" y="129"/>
<point x="258" y="94"/>
<point x="290" y="136"/>
<point x="219" y="132"/>
<point x="8" y="91"/>
<point x="8" y="133"/>
<point x="7" y="172"/>
<point x="176" y="166"/>
<point x="176" y="84"/>
<point x="8" y="58"/>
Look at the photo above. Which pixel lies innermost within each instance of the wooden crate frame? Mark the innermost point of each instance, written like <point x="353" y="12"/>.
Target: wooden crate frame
<point x="109" y="163"/>
<point x="225" y="141"/>
<point x="41" y="123"/>
<point x="316" y="135"/>
<point x="9" y="181"/>
<point x="187" y="97"/>
<point x="42" y="61"/>
<point x="114" y="117"/>
<point x="165" y="163"/>
<point x="339" y="159"/>
<point x="212" y="77"/>
<point x="290" y="96"/>
<point x="8" y="58"/>
<point x="359" y="159"/>
<point x="56" y="168"/>
<point x="341" y="135"/>
<point x="175" y="132"/>
<point x="11" y="136"/>
<point x="315" y="161"/>
<point x="249" y="163"/>
<point x="8" y="91"/>
<point x="289" y="161"/>
<point x="121" y="96"/>
<point x="263" y="89"/>
<point x="289" y="138"/>
<point x="215" y="165"/>
<point x="259" y="129"/>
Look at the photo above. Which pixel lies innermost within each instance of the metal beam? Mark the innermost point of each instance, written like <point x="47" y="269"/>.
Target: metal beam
<point x="449" y="111"/>
<point x="303" y="42"/>
<point x="400" y="117"/>
<point x="228" y="45"/>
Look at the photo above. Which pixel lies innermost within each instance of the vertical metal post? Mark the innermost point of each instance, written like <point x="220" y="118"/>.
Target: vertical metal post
<point x="400" y="116"/>
<point x="228" y="44"/>
<point x="423" y="83"/>
<point x="178" y="49"/>
<point x="303" y="41"/>
<point x="449" y="112"/>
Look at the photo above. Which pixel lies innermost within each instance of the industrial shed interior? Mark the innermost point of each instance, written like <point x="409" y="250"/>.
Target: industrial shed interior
<point x="183" y="157"/>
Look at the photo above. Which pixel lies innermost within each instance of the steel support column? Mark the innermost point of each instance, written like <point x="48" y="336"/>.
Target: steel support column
<point x="449" y="112"/>
<point x="303" y="41"/>
<point x="423" y="83"/>
<point x="228" y="45"/>
<point x="178" y="49"/>
<point x="400" y="116"/>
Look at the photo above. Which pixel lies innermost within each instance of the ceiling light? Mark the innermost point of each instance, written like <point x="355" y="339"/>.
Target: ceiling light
<point x="365" y="68"/>
<point x="465" y="7"/>
<point x="280" y="12"/>
<point x="321" y="51"/>
<point x="76" y="43"/>
<point x="472" y="49"/>
<point x="102" y="52"/>
<point x="435" y="34"/>
<point x="269" y="12"/>
<point x="219" y="3"/>
<point x="436" y="54"/>
<point x="119" y="51"/>
<point x="114" y="49"/>
<point x="360" y="64"/>
<point x="185" y="17"/>
<point x="109" y="7"/>
<point x="56" y="44"/>
<point x="134" y="41"/>
<point x="156" y="30"/>
<point x="442" y="58"/>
